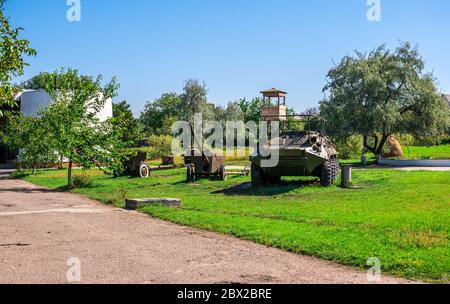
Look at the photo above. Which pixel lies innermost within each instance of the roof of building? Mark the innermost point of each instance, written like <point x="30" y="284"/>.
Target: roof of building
<point x="273" y="93"/>
<point x="18" y="96"/>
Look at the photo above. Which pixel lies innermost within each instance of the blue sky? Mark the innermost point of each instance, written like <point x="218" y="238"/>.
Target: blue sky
<point x="238" y="47"/>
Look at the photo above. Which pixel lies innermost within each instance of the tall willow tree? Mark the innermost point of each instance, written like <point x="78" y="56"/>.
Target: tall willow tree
<point x="383" y="93"/>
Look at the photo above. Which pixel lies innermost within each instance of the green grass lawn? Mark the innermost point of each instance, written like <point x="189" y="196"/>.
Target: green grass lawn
<point x="402" y="218"/>
<point x="434" y="152"/>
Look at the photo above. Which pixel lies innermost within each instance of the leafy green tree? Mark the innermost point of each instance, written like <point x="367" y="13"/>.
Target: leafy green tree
<point x="124" y="120"/>
<point x="39" y="82"/>
<point x="13" y="49"/>
<point x="78" y="134"/>
<point x="158" y="115"/>
<point x="232" y="112"/>
<point x="30" y="135"/>
<point x="383" y="93"/>
<point x="251" y="109"/>
<point x="194" y="100"/>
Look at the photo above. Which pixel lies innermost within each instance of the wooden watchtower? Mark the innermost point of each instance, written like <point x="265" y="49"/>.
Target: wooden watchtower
<point x="274" y="108"/>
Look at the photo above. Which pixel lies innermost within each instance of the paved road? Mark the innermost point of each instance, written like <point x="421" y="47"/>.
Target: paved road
<point x="40" y="230"/>
<point x="441" y="169"/>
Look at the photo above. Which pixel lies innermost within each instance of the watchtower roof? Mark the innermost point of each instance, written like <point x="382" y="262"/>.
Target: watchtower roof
<point x="273" y="93"/>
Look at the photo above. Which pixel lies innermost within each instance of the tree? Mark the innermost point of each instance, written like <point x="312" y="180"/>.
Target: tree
<point x="158" y="115"/>
<point x="251" y="109"/>
<point x="12" y="51"/>
<point x="383" y="93"/>
<point x="194" y="100"/>
<point x="124" y="120"/>
<point x="30" y="135"/>
<point x="38" y="82"/>
<point x="71" y="118"/>
<point x="232" y="112"/>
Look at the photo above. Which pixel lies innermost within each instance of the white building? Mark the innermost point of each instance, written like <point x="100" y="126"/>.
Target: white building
<point x="32" y="101"/>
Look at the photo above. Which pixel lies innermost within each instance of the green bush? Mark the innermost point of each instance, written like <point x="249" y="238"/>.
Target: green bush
<point x="159" y="146"/>
<point x="349" y="148"/>
<point x="121" y="162"/>
<point x="82" y="181"/>
<point x="406" y="140"/>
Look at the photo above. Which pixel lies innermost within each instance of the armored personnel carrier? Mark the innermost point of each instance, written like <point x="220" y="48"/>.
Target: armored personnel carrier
<point x="301" y="153"/>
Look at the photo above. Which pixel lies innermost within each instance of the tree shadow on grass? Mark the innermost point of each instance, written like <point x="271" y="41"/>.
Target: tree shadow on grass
<point x="246" y="189"/>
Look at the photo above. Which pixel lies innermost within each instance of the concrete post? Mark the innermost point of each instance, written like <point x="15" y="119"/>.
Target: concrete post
<point x="363" y="160"/>
<point x="346" y="176"/>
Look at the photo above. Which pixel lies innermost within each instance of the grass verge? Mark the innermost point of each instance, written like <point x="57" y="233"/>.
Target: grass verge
<point x="402" y="218"/>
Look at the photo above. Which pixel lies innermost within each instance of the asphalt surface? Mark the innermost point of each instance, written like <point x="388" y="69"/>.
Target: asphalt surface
<point x="439" y="169"/>
<point x="55" y="237"/>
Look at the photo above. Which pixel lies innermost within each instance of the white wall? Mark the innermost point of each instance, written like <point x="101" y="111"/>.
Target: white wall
<point x="31" y="102"/>
<point x="106" y="112"/>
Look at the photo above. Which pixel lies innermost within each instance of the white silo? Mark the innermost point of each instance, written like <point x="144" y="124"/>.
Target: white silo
<point x="33" y="101"/>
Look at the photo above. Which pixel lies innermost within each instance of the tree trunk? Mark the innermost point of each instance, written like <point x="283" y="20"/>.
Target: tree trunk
<point x="368" y="147"/>
<point x="377" y="148"/>
<point x="34" y="170"/>
<point x="382" y="143"/>
<point x="69" y="174"/>
<point x="61" y="163"/>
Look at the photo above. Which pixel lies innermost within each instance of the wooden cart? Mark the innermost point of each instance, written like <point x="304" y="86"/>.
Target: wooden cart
<point x="138" y="167"/>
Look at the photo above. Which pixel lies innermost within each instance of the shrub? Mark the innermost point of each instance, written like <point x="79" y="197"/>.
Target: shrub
<point x="119" y="166"/>
<point x="82" y="181"/>
<point x="406" y="140"/>
<point x="159" y="146"/>
<point x="410" y="141"/>
<point x="349" y="148"/>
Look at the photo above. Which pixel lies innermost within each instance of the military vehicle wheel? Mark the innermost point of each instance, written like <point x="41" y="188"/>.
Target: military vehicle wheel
<point x="335" y="165"/>
<point x="326" y="178"/>
<point x="190" y="174"/>
<point x="144" y="171"/>
<point x="223" y="173"/>
<point x="257" y="176"/>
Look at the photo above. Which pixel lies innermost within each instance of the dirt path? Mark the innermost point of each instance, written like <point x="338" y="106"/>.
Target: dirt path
<point x="40" y="230"/>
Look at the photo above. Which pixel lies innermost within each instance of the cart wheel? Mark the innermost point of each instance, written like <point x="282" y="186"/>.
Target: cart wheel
<point x="190" y="174"/>
<point x="223" y="173"/>
<point x="144" y="171"/>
